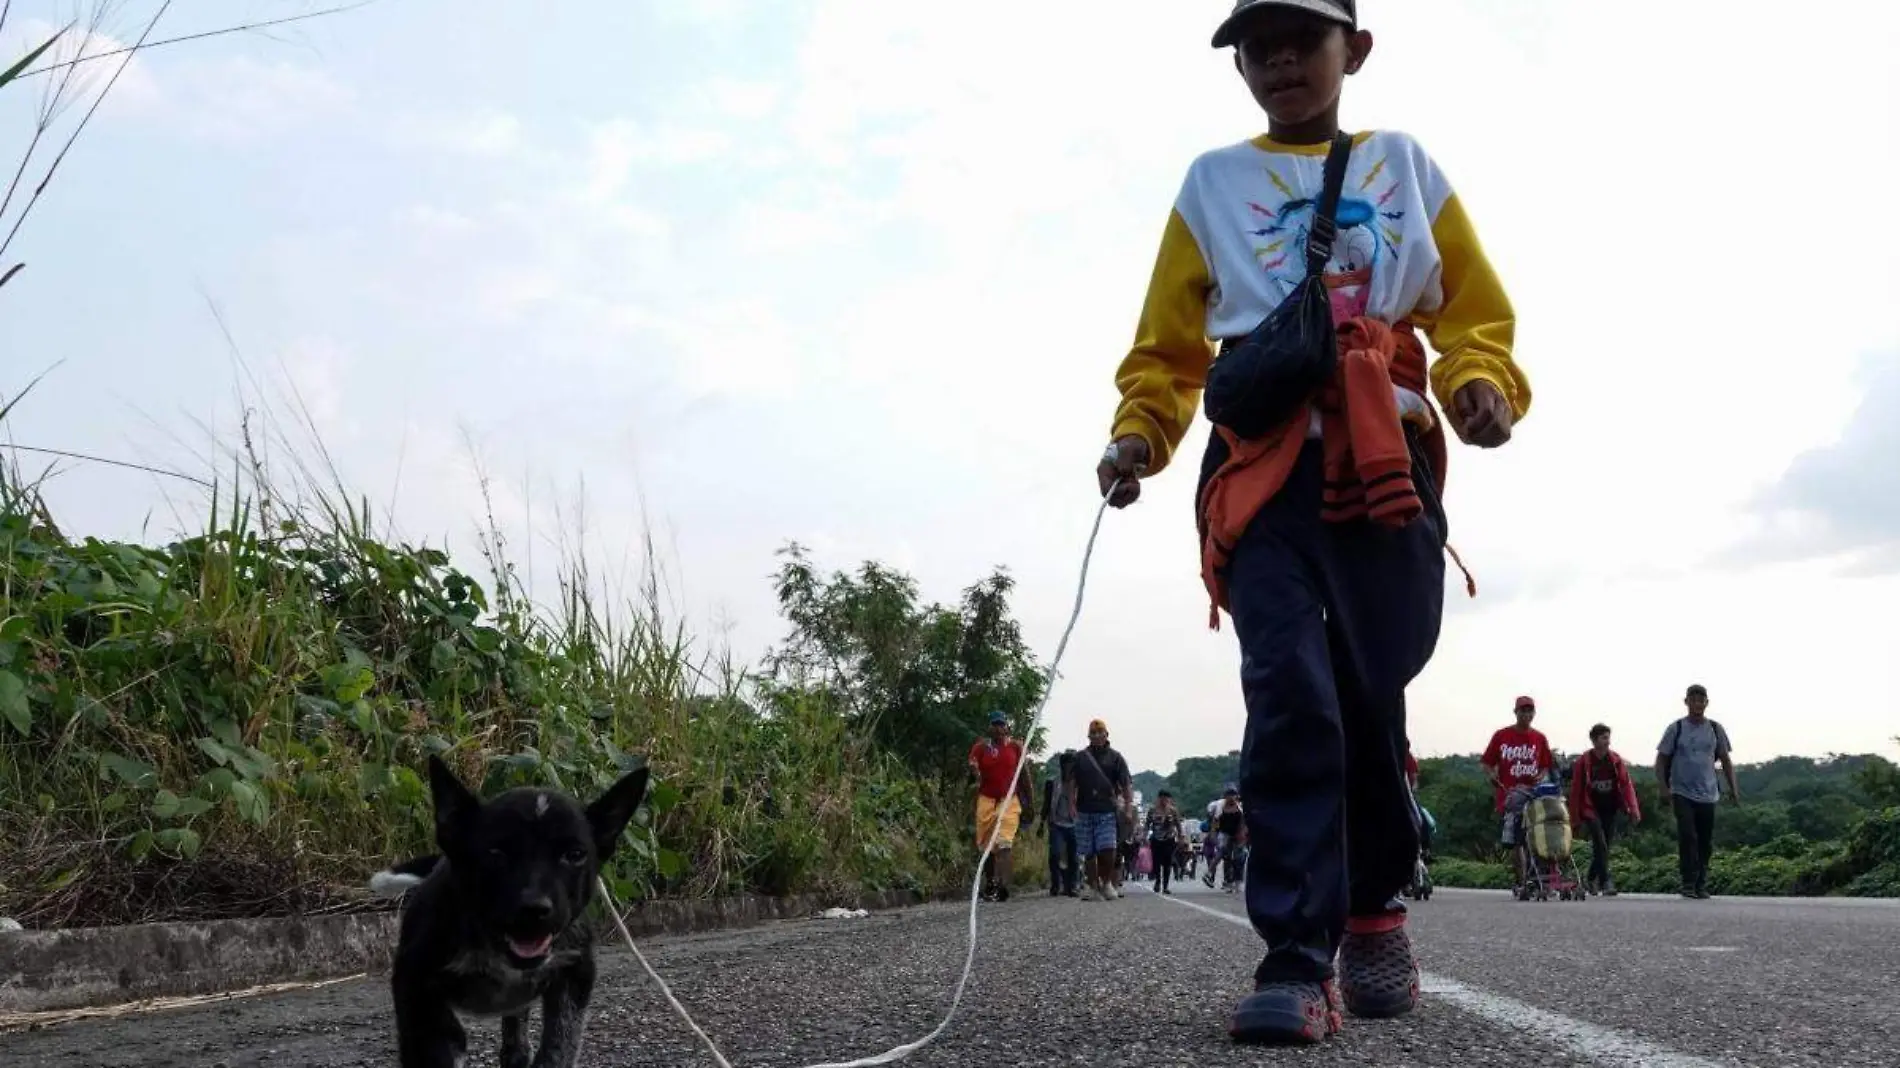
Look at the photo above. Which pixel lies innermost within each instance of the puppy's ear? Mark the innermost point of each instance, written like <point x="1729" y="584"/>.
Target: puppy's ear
<point x="455" y="805"/>
<point x="608" y="816"/>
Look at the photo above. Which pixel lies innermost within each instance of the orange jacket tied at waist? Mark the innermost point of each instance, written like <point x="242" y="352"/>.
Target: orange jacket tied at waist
<point x="1367" y="459"/>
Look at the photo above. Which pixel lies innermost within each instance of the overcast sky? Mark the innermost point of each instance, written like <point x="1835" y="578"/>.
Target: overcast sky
<point x="859" y="273"/>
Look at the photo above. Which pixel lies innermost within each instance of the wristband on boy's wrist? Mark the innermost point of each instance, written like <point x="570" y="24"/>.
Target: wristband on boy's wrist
<point x="1113" y="455"/>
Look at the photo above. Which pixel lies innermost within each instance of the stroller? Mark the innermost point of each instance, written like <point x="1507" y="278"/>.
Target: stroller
<point x="1421" y="886"/>
<point x="1543" y="845"/>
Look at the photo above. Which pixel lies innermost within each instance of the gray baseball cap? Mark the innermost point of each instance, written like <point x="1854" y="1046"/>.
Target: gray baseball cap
<point x="1346" y="11"/>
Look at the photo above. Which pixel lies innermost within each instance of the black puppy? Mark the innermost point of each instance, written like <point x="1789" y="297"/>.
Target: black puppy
<point x="495" y="920"/>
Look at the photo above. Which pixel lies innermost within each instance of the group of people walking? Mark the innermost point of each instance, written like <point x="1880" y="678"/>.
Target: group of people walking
<point x="1097" y="837"/>
<point x="1693" y="749"/>
<point x="1087" y="813"/>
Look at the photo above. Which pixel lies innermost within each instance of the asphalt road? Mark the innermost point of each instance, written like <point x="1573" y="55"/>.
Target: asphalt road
<point x="1146" y="981"/>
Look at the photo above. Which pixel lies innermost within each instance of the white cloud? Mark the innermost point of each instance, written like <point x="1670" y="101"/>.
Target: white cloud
<point x="317" y="371"/>
<point x="865" y="285"/>
<point x="241" y="98"/>
<point x="94" y="64"/>
<point x="1837" y="498"/>
<point x="433" y="222"/>
<point x="741" y="100"/>
<point x="490" y="134"/>
<point x="617" y="147"/>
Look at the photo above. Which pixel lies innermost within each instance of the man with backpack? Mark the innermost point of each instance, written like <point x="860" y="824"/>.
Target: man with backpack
<point x="1600" y="787"/>
<point x="1691" y="749"/>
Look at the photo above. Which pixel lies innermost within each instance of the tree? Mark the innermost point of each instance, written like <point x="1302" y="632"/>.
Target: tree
<point x="1198" y="780"/>
<point x="1754" y="824"/>
<point x="1879" y="780"/>
<point x="1796" y="805"/>
<point x="1464" y="805"/>
<point x="917" y="680"/>
<point x="1148" y="784"/>
<point x="1824" y="817"/>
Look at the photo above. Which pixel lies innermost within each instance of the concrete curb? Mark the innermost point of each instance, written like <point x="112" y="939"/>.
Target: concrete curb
<point x="90" y="967"/>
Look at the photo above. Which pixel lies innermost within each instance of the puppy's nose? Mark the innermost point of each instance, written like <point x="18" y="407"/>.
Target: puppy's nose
<point x="535" y="910"/>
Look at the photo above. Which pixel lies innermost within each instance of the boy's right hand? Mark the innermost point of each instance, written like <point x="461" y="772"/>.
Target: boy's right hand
<point x="1481" y="415"/>
<point x="1125" y="460"/>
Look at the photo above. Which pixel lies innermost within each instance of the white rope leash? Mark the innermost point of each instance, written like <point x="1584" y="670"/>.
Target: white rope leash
<point x="607" y="898"/>
<point x="898" y="1053"/>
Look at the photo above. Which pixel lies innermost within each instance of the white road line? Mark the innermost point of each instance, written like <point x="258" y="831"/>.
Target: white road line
<point x="1600" y="1045"/>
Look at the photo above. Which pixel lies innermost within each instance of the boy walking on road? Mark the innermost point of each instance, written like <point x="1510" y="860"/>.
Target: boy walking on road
<point x="1686" y="760"/>
<point x="1323" y="537"/>
<point x="1600" y="787"/>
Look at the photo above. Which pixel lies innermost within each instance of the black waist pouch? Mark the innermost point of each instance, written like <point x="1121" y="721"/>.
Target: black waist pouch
<point x="1260" y="380"/>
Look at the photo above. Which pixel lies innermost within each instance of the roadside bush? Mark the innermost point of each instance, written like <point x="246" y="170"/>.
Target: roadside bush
<point x="235" y="724"/>
<point x="1471" y="874"/>
<point x="1812" y="827"/>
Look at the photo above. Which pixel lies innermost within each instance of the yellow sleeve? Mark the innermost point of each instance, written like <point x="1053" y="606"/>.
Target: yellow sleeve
<point x="1161" y="377"/>
<point x="1474" y="327"/>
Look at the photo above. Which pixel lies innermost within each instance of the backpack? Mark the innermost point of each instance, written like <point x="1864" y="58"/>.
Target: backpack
<point x="1548" y="819"/>
<point x="1260" y="380"/>
<point x="1675" y="735"/>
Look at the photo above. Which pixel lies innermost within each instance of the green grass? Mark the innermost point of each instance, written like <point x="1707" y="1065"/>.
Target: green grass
<point x="234" y="723"/>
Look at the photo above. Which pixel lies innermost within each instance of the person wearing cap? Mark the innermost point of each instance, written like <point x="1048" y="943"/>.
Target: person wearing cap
<point x="1336" y="612"/>
<point x="1517" y="758"/>
<point x="1600" y="788"/>
<point x="1686" y="758"/>
<point x="997" y="762"/>
<point x="1099" y="784"/>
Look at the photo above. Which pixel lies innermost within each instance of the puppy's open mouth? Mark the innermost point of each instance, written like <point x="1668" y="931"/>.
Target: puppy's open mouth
<point x="530" y="949"/>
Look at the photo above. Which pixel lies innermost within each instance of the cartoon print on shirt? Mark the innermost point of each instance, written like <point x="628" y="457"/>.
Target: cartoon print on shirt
<point x="1349" y="281"/>
<point x="1366" y="234"/>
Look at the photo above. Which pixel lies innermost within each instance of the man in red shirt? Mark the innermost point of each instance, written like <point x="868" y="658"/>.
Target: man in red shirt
<point x="1517" y="759"/>
<point x="995" y="761"/>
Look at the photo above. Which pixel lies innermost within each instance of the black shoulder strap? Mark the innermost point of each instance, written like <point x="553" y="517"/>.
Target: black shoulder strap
<point x="1319" y="241"/>
<point x="1099" y="773"/>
